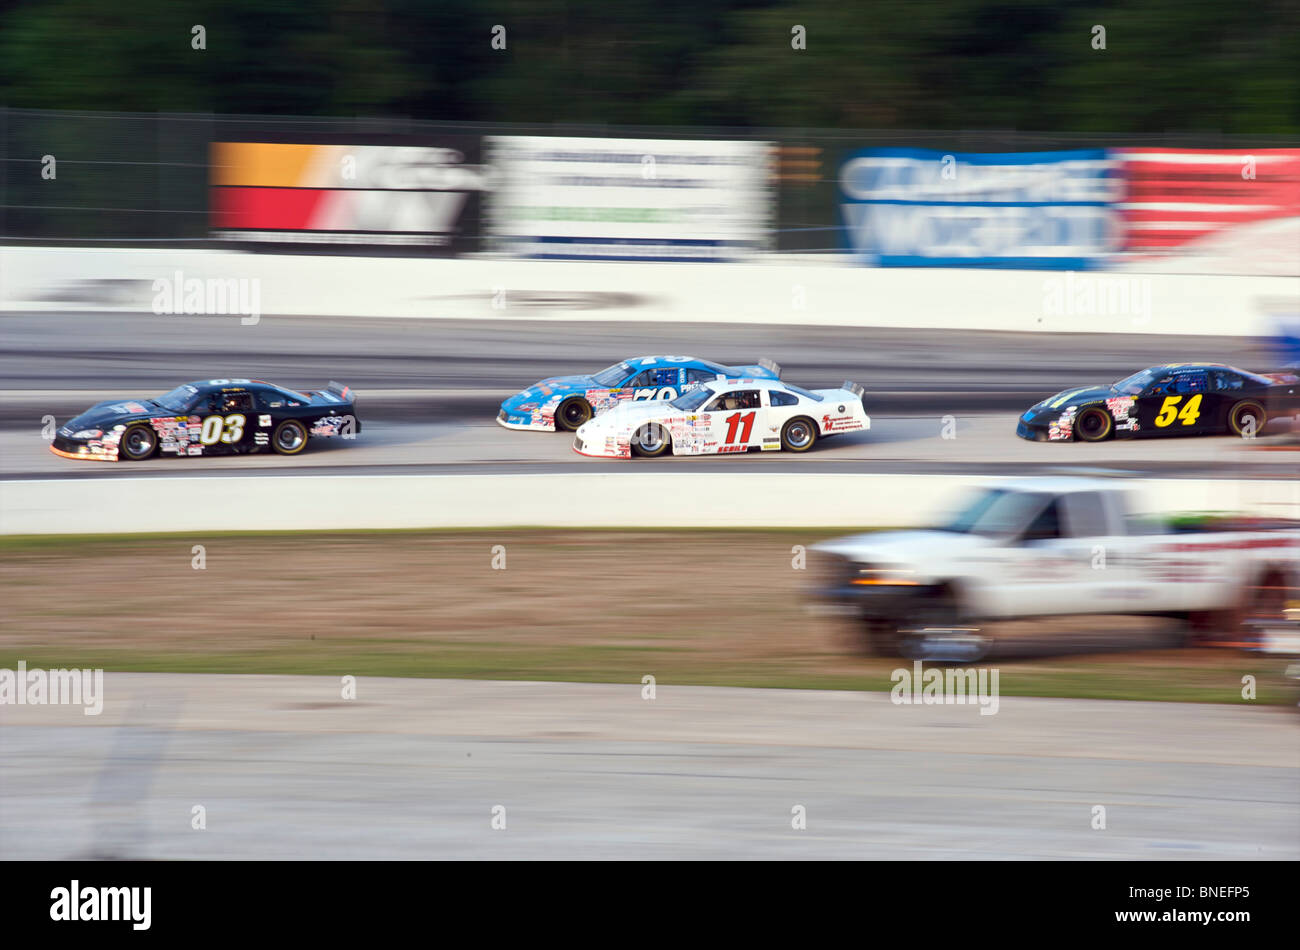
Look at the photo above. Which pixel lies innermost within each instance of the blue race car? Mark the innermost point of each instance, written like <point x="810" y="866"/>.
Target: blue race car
<point x="566" y="402"/>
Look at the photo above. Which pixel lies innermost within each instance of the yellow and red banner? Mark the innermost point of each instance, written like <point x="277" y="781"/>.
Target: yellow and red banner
<point x="350" y="193"/>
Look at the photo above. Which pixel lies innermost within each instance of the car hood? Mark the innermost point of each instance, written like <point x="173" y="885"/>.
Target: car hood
<point x="903" y="547"/>
<point x="631" y="413"/>
<point x="1079" y="396"/>
<point x="111" y="412"/>
<point x="548" y="389"/>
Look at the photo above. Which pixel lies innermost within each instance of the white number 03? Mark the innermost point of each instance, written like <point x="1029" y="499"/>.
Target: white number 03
<point x="222" y="429"/>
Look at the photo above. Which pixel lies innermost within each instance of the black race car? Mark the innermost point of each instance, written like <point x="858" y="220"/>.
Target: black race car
<point x="1177" y="399"/>
<point x="212" y="417"/>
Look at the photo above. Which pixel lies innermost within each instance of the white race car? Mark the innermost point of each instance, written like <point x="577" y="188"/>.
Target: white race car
<point x="725" y="416"/>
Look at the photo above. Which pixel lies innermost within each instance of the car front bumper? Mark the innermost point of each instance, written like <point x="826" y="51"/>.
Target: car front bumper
<point x="88" y="450"/>
<point x="525" y="420"/>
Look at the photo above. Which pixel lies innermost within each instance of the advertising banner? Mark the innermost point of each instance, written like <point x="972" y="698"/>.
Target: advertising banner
<point x="354" y="194"/>
<point x="629" y="199"/>
<point x="1225" y="211"/>
<point x="903" y="207"/>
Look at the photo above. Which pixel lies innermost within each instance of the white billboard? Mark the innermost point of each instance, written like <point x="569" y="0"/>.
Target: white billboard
<point x="628" y="199"/>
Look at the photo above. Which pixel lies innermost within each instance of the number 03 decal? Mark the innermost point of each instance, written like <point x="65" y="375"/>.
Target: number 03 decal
<point x="218" y="429"/>
<point x="1169" y="411"/>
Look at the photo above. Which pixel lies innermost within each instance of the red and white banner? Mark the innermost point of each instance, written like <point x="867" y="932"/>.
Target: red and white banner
<point x="1233" y="207"/>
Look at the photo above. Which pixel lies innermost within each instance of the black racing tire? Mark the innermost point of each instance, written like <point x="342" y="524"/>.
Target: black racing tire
<point x="572" y="413"/>
<point x="651" y="441"/>
<point x="926" y="633"/>
<point x="799" y="434"/>
<point x="290" y="437"/>
<point x="1241" y="412"/>
<point x="1093" y="424"/>
<point x="137" y="443"/>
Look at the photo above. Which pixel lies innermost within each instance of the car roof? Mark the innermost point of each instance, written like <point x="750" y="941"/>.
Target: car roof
<point x="233" y="385"/>
<point x="637" y="361"/>
<point x="1191" y="367"/>
<point x="728" y="381"/>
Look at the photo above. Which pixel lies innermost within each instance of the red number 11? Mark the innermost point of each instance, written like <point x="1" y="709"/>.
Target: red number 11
<point x="733" y="421"/>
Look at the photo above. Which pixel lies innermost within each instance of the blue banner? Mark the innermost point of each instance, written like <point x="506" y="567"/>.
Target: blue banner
<point x="904" y="207"/>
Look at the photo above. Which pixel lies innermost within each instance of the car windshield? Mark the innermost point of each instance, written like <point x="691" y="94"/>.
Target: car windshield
<point x="995" y="513"/>
<point x="693" y="399"/>
<point x="805" y="393"/>
<point x="613" y="375"/>
<point x="1133" y="385"/>
<point x="179" y="399"/>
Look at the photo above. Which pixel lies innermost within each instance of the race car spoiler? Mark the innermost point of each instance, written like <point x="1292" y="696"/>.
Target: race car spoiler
<point x="338" y="389"/>
<point x="854" y="388"/>
<point x="771" y="365"/>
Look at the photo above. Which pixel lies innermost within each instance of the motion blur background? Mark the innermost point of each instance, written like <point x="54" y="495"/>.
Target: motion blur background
<point x="902" y="193"/>
<point x="131" y="109"/>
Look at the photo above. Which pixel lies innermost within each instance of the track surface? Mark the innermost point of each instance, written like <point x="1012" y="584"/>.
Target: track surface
<point x="413" y="768"/>
<point x="429" y="390"/>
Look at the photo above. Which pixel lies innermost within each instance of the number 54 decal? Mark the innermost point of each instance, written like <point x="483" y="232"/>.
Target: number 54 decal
<point x="1187" y="416"/>
<point x="218" y="429"/>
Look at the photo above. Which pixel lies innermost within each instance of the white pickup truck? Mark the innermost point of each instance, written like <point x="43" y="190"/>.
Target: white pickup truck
<point x="1040" y="548"/>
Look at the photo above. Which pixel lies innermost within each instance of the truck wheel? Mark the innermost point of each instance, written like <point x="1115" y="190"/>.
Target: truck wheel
<point x="1245" y="417"/>
<point x="880" y="637"/>
<point x="572" y="414"/>
<point x="1093" y="424"/>
<point x="939" y="630"/>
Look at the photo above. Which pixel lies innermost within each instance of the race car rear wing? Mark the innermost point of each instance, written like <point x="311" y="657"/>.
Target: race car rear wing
<point x="771" y="365"/>
<point x="338" y="389"/>
<point x="854" y="388"/>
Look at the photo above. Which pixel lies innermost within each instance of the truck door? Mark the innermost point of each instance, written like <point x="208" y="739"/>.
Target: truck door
<point x="1048" y="571"/>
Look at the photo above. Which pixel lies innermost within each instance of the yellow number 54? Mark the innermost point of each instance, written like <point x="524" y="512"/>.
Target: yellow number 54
<point x="1169" y="411"/>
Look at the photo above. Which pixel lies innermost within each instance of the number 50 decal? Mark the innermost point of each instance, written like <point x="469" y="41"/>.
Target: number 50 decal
<point x="218" y="429"/>
<point x="1169" y="411"/>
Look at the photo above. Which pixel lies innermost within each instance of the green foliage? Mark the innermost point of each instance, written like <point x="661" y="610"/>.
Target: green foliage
<point x="1168" y="65"/>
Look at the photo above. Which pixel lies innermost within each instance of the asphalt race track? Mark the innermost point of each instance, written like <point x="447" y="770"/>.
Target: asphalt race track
<point x="412" y="769"/>
<point x="428" y="390"/>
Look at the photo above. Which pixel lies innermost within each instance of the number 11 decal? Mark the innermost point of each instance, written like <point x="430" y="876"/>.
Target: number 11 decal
<point x="735" y="420"/>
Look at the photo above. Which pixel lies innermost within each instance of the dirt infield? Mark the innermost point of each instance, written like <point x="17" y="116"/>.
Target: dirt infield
<point x="721" y="608"/>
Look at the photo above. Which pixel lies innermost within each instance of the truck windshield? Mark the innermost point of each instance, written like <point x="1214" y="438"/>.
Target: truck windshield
<point x="995" y="513"/>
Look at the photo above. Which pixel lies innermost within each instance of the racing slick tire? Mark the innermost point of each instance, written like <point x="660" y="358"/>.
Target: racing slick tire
<point x="138" y="442"/>
<point x="289" y="438"/>
<point x="572" y="413"/>
<point x="1093" y="424"/>
<point x="651" y="441"/>
<point x="1241" y="413"/>
<point x="799" y="434"/>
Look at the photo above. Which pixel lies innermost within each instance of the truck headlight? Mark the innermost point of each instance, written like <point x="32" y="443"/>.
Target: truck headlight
<point x="869" y="575"/>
